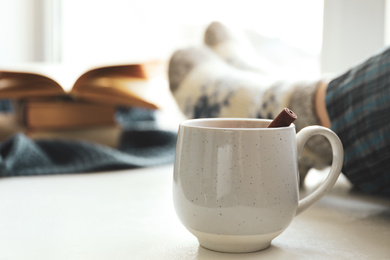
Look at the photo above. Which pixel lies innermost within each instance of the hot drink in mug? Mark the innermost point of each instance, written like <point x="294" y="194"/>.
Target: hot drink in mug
<point x="236" y="182"/>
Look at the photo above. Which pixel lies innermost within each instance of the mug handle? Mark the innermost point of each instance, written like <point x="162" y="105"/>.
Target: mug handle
<point x="335" y="170"/>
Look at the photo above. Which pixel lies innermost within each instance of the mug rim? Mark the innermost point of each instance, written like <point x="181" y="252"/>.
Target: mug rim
<point x="193" y="123"/>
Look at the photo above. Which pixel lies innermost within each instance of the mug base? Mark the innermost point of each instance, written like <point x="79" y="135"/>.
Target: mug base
<point x="234" y="244"/>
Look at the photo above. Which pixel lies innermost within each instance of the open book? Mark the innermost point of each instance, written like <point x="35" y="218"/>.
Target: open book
<point x="124" y="85"/>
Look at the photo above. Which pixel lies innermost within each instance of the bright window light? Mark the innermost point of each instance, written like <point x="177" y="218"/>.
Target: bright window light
<point x="96" y="30"/>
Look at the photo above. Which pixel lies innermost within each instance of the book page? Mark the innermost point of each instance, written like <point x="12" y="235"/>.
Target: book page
<point x="64" y="75"/>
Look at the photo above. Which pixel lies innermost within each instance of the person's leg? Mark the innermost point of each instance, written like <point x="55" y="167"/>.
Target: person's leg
<point x="204" y="85"/>
<point x="358" y="103"/>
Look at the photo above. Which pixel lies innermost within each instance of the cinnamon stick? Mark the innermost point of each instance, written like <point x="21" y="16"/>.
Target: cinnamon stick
<point x="285" y="118"/>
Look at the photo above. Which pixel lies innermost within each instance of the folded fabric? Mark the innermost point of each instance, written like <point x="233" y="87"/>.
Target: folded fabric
<point x="142" y="144"/>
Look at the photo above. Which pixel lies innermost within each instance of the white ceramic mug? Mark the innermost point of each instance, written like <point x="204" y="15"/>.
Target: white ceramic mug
<point x="236" y="182"/>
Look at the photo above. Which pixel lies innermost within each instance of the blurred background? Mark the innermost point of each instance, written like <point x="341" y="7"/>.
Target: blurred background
<point x="323" y="36"/>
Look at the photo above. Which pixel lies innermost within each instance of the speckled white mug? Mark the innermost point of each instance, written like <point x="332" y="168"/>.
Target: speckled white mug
<point x="236" y="182"/>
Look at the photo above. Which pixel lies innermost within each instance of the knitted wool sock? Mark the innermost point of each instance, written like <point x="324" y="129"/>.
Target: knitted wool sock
<point x="204" y="85"/>
<point x="317" y="152"/>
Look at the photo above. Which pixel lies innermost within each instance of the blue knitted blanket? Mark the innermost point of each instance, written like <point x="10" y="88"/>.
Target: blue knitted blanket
<point x="142" y="144"/>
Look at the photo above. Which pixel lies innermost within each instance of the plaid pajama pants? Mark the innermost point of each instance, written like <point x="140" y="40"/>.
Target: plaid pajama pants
<point x="358" y="103"/>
